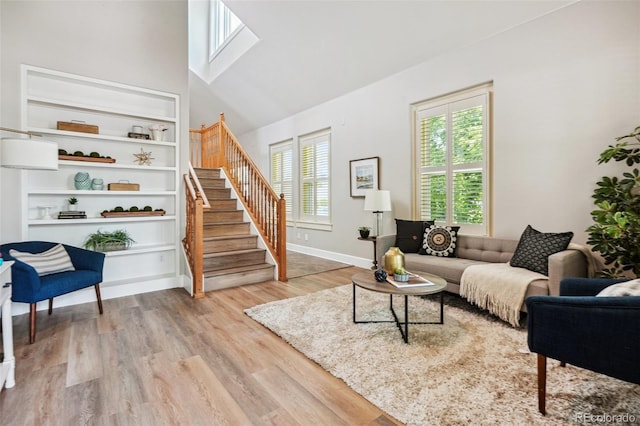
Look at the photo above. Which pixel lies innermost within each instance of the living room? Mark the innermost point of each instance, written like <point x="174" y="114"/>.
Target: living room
<point x="564" y="86"/>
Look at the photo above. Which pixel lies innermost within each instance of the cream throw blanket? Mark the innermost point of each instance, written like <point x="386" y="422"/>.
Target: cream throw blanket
<point x="499" y="288"/>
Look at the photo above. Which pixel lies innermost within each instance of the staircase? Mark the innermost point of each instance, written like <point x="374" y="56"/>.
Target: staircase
<point x="231" y="256"/>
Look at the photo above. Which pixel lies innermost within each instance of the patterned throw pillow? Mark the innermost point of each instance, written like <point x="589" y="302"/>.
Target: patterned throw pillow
<point x="440" y="241"/>
<point x="535" y="247"/>
<point x="409" y="234"/>
<point x="52" y="261"/>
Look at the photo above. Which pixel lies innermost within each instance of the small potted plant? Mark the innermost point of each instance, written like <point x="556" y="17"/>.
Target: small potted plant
<point x="108" y="241"/>
<point x="364" y="231"/>
<point x="73" y="204"/>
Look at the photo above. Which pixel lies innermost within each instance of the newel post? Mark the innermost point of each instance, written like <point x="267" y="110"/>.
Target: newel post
<point x="282" y="239"/>
<point x="198" y="249"/>
<point x="222" y="137"/>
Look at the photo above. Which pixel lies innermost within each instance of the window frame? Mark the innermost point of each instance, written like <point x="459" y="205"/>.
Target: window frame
<point x="216" y="9"/>
<point x="313" y="139"/>
<point x="281" y="148"/>
<point x="447" y="104"/>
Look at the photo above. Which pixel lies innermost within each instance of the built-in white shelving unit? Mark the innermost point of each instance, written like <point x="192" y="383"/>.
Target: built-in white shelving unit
<point x="50" y="96"/>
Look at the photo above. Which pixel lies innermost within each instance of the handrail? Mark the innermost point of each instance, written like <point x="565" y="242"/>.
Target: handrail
<point x="193" y="242"/>
<point x="220" y="149"/>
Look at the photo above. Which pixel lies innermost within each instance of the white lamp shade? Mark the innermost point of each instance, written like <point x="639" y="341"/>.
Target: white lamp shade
<point x="377" y="200"/>
<point x="29" y="154"/>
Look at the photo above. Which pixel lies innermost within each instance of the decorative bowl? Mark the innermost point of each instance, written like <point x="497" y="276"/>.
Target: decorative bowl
<point x="401" y="277"/>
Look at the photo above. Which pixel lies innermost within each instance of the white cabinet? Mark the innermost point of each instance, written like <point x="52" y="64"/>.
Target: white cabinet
<point x="8" y="365"/>
<point x="49" y="97"/>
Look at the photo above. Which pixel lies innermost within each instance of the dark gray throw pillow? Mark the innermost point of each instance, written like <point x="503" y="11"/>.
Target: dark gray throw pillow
<point x="409" y="234"/>
<point x="535" y="247"/>
<point x="440" y="241"/>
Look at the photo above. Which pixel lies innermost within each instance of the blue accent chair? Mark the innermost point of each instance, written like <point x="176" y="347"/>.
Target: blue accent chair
<point x="29" y="287"/>
<point x="600" y="334"/>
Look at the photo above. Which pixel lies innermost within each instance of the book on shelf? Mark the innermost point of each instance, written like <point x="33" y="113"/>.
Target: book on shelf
<point x="414" y="281"/>
<point x="72" y="215"/>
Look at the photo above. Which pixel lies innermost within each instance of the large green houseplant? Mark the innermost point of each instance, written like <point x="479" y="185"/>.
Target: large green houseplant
<point x="616" y="231"/>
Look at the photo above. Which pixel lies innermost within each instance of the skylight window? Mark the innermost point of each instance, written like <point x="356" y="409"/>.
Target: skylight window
<point x="224" y="26"/>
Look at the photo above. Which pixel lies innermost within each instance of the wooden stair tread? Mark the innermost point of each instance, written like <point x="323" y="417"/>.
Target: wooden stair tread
<point x="232" y="252"/>
<point x="229" y="237"/>
<point x="236" y="269"/>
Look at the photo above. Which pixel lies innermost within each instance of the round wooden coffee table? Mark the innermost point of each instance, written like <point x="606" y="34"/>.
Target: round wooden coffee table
<point x="367" y="281"/>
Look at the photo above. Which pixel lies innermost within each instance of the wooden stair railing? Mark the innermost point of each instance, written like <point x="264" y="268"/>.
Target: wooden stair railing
<point x="220" y="149"/>
<point x="196" y="202"/>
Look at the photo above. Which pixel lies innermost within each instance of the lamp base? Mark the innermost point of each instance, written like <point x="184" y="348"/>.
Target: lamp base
<point x="378" y="222"/>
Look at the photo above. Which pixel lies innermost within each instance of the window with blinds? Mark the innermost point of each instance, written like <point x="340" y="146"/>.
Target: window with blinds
<point x="224" y="25"/>
<point x="452" y="161"/>
<point x="315" y="203"/>
<point x="282" y="173"/>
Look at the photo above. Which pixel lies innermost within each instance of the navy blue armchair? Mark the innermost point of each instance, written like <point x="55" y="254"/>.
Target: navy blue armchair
<point x="601" y="334"/>
<point x="29" y="287"/>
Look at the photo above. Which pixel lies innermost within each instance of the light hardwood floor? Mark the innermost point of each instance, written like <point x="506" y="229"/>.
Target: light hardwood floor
<point x="164" y="358"/>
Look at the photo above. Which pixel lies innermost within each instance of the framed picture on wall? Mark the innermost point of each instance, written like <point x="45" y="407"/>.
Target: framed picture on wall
<point x="364" y="174"/>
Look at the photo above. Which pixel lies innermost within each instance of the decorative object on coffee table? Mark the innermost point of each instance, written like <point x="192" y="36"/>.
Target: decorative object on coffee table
<point x="393" y="259"/>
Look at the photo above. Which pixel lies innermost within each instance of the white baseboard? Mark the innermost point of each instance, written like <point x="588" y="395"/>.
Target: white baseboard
<point x="88" y="295"/>
<point x="338" y="257"/>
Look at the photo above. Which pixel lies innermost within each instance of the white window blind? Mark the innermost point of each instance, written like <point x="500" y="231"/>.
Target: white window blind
<point x="451" y="151"/>
<point x="282" y="173"/>
<point x="315" y="204"/>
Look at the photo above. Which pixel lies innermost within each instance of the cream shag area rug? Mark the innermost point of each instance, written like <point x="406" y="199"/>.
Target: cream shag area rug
<point x="468" y="371"/>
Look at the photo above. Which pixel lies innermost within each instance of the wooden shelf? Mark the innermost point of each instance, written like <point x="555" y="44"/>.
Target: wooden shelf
<point x="87" y="159"/>
<point x="133" y="214"/>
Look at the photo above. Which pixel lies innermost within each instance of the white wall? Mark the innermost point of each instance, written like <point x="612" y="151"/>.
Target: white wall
<point x="141" y="43"/>
<point x="565" y="86"/>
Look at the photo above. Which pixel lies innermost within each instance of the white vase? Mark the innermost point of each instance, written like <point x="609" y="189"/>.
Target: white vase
<point x="73" y="207"/>
<point x="157" y="135"/>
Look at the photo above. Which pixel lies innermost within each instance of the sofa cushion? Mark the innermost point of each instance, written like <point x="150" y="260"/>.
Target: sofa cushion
<point x="52" y="261"/>
<point x="409" y="234"/>
<point x="627" y="288"/>
<point x="535" y="247"/>
<point x="449" y="268"/>
<point x="440" y="241"/>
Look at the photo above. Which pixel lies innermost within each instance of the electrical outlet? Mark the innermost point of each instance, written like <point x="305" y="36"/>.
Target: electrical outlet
<point x="161" y="258"/>
<point x="298" y="235"/>
<point x="306" y="237"/>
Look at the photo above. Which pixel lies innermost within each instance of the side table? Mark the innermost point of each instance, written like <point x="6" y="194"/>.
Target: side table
<point x="7" y="368"/>
<point x="375" y="255"/>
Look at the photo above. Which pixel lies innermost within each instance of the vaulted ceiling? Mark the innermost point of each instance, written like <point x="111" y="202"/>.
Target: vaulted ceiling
<point x="311" y="51"/>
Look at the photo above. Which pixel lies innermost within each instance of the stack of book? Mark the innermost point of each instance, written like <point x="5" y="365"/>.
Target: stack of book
<point x="72" y="215"/>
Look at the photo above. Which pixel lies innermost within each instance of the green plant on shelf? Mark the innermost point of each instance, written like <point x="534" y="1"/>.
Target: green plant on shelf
<point x="108" y="241"/>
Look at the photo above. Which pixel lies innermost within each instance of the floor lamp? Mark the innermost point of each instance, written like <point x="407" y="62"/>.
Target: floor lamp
<point x="377" y="201"/>
<point x="28" y="153"/>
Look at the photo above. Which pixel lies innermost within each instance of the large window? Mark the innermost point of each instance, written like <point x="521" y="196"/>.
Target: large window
<point x="300" y="170"/>
<point x="452" y="160"/>
<point x="223" y="26"/>
<point x="282" y="173"/>
<point x="314" y="178"/>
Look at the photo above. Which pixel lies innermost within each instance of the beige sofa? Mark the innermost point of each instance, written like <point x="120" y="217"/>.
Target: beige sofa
<point x="473" y="250"/>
